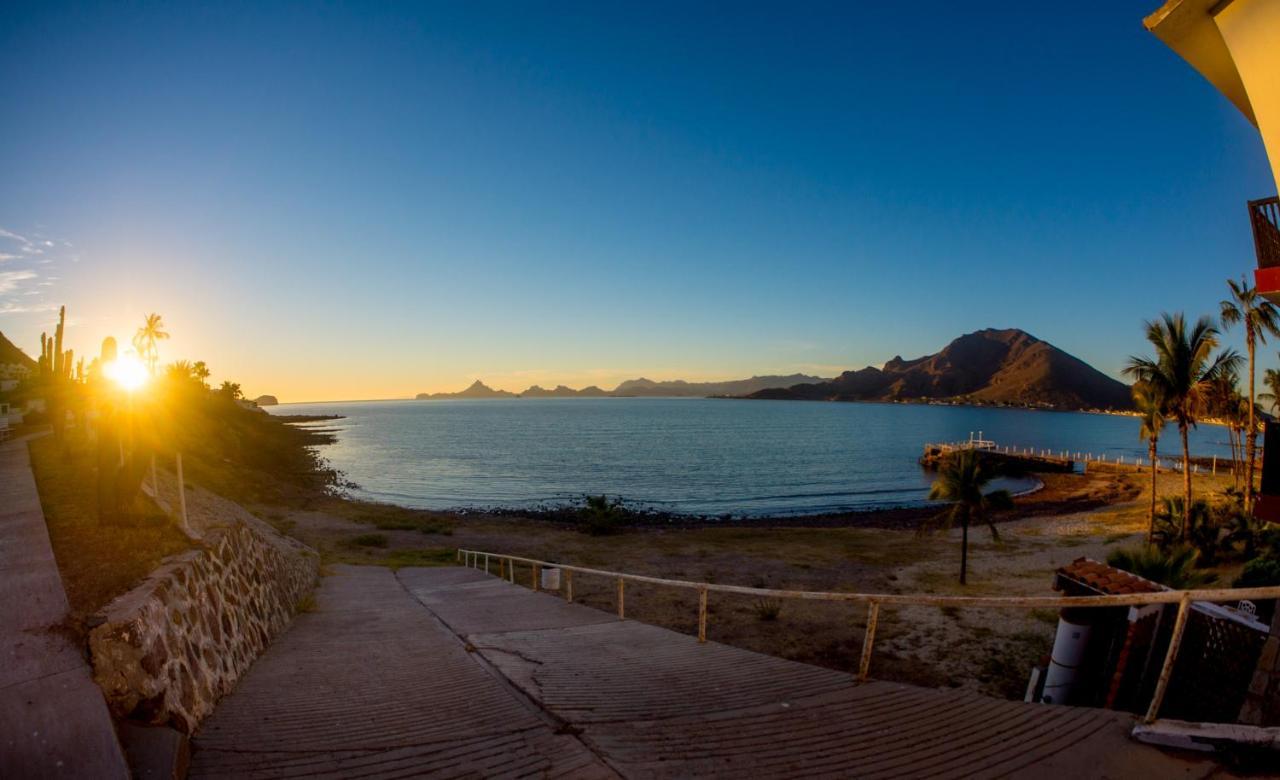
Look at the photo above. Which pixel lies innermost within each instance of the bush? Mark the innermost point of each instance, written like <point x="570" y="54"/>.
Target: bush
<point x="768" y="609"/>
<point x="601" y="516"/>
<point x="1259" y="573"/>
<point x="371" y="540"/>
<point x="1175" y="567"/>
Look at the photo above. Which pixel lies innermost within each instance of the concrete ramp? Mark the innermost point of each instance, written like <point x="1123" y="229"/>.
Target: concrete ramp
<point x="452" y="672"/>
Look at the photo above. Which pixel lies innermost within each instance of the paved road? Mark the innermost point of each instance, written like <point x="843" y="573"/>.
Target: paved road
<point x="53" y="720"/>
<point x="454" y="673"/>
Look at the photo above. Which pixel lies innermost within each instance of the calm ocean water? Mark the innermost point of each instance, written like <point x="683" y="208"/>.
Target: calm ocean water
<point x="697" y="456"/>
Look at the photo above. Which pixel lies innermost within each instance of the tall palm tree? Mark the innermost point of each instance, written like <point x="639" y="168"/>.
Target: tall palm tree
<point x="1182" y="371"/>
<point x="960" y="481"/>
<point x="1150" y="405"/>
<point x="1271" y="378"/>
<point x="144" y="341"/>
<point x="1225" y="402"/>
<point x="1260" y="319"/>
<point x="201" y="372"/>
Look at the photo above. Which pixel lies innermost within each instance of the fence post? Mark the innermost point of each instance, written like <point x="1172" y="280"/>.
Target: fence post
<point x="622" y="597"/>
<point x="486" y="563"/>
<point x="182" y="494"/>
<point x="873" y="616"/>
<point x="1166" y="671"/>
<point x="702" y="615"/>
<point x="568" y="585"/>
<point x="457" y="556"/>
<point x="511" y="571"/>
<point x="533" y="567"/>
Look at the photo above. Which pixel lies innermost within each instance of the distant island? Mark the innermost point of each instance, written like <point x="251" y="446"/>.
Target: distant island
<point x="993" y="367"/>
<point x="266" y="400"/>
<point x="632" y="388"/>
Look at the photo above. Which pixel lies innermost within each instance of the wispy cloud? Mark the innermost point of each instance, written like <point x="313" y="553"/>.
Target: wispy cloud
<point x="28" y="259"/>
<point x="10" y="280"/>
<point x="9" y="307"/>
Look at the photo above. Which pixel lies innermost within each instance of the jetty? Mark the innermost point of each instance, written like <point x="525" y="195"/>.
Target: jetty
<point x="1007" y="458"/>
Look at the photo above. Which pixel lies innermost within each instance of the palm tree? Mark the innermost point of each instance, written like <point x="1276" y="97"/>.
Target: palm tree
<point x="179" y="371"/>
<point x="1182" y="371"/>
<point x="1226" y="403"/>
<point x="1271" y="378"/>
<point x="231" y="390"/>
<point x="201" y="372"/>
<point x="960" y="481"/>
<point x="1260" y="319"/>
<point x="144" y="341"/>
<point x="1150" y="405"/>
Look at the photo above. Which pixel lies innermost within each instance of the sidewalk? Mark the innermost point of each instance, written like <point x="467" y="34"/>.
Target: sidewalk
<point x="53" y="721"/>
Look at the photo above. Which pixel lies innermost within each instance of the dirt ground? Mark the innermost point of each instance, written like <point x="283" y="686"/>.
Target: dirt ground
<point x="1073" y="516"/>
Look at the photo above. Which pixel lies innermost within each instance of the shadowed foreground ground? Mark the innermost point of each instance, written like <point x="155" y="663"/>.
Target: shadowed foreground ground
<point x="450" y="672"/>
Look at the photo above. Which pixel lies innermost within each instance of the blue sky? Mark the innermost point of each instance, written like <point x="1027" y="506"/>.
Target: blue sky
<point x="356" y="200"/>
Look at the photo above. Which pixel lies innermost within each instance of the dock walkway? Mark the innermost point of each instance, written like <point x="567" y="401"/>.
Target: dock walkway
<point x="451" y="672"/>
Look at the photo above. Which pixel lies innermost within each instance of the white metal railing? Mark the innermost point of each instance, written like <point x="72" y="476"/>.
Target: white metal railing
<point x="1183" y="598"/>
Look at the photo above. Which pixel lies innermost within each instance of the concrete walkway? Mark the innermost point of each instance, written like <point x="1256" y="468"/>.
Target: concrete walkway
<point x="451" y="672"/>
<point x="53" y="721"/>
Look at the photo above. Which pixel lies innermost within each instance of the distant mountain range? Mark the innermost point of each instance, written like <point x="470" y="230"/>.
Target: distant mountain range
<point x="1000" y="367"/>
<point x="736" y="387"/>
<point x="1003" y="367"/>
<point x="633" y="388"/>
<point x="478" y="389"/>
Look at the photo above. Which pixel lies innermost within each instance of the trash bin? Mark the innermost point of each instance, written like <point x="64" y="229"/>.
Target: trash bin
<point x="551" y="579"/>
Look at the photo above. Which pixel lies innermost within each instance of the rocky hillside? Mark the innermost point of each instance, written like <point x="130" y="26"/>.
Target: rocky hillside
<point x="9" y="353"/>
<point x="1006" y="367"/>
<point x="478" y="389"/>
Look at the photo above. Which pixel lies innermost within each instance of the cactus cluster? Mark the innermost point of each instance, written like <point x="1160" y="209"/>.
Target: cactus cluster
<point x="54" y="363"/>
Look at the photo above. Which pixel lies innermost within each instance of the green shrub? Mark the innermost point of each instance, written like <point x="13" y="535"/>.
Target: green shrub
<point x="601" y="516"/>
<point x="370" y="540"/>
<point x="1175" y="567"/>
<point x="1259" y="573"/>
<point x="768" y="609"/>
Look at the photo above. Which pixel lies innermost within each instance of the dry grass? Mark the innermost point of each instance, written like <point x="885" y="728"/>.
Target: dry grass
<point x="97" y="562"/>
<point x="979" y="650"/>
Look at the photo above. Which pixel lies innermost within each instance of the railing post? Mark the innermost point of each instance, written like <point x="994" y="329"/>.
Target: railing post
<point x="533" y="567"/>
<point x="702" y="615"/>
<point x="568" y="585"/>
<point x="182" y="492"/>
<point x="511" y="572"/>
<point x="486" y="563"/>
<point x="1166" y="671"/>
<point x="457" y="557"/>
<point x="502" y="568"/>
<point x="873" y="616"/>
<point x="622" y="599"/>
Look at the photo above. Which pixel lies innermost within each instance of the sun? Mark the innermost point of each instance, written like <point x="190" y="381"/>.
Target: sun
<point x="127" y="372"/>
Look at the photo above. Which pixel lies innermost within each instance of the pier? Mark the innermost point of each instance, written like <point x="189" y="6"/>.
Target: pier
<point x="1036" y="459"/>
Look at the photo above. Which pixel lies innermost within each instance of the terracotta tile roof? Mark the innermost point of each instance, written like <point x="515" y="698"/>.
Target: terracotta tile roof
<point x="1103" y="579"/>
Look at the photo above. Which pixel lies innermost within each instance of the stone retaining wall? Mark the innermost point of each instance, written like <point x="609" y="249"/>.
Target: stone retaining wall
<point x="166" y="651"/>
